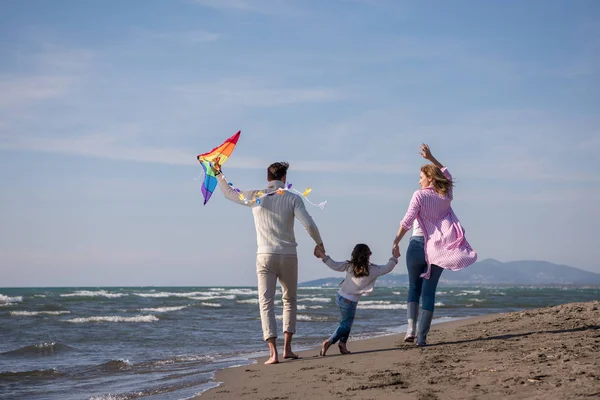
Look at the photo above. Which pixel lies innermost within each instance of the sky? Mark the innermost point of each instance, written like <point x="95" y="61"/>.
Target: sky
<point x="104" y="107"/>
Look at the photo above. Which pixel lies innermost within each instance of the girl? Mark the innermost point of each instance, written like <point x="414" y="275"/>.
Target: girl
<point x="360" y="279"/>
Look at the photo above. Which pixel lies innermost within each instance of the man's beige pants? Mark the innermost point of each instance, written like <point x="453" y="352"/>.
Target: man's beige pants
<point x="269" y="267"/>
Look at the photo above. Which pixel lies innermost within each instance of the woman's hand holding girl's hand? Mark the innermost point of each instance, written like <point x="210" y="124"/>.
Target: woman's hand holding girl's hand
<point x="396" y="251"/>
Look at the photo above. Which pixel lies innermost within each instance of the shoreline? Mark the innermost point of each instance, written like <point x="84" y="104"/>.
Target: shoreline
<point x="255" y="357"/>
<point x="534" y="353"/>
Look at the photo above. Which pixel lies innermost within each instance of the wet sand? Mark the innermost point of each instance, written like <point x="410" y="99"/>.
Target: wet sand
<point x="547" y="353"/>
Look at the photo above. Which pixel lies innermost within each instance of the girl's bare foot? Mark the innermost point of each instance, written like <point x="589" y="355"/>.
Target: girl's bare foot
<point x="344" y="349"/>
<point x="324" y="347"/>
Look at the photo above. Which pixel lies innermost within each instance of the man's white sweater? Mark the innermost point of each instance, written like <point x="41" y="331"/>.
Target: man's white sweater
<point x="274" y="217"/>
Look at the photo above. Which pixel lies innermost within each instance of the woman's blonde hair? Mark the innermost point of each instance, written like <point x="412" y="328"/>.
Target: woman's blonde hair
<point x="441" y="184"/>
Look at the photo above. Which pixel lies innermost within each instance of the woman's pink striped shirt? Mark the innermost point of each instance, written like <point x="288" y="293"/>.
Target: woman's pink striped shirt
<point x="445" y="242"/>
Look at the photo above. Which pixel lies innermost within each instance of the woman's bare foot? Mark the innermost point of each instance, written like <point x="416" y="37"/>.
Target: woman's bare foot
<point x="344" y="349"/>
<point x="324" y="347"/>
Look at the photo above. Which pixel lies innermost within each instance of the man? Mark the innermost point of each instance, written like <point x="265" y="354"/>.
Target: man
<point x="276" y="256"/>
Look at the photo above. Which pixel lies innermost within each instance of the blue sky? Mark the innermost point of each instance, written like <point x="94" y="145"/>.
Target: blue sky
<point x="105" y="105"/>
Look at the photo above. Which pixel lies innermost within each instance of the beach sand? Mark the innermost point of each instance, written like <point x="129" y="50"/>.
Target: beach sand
<point x="548" y="353"/>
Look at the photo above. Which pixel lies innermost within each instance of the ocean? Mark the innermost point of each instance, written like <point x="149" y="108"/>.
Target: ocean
<point x="167" y="342"/>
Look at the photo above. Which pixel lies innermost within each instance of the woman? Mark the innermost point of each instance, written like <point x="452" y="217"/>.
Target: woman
<point x="438" y="243"/>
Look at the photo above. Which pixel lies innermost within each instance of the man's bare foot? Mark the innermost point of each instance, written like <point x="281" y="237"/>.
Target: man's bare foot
<point x="272" y="360"/>
<point x="290" y="354"/>
<point x="324" y="347"/>
<point x="344" y="349"/>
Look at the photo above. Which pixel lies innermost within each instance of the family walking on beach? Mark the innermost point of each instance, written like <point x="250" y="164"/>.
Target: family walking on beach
<point x="438" y="242"/>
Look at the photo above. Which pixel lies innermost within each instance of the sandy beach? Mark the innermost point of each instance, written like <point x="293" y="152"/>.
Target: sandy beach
<point x="547" y="353"/>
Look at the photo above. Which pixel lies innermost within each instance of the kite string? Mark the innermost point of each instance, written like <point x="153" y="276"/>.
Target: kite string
<point x="261" y="194"/>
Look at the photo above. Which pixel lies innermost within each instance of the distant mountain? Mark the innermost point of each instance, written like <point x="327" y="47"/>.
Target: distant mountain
<point x="494" y="272"/>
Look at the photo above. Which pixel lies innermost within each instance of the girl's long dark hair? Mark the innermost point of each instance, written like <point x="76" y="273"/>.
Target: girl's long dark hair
<point x="360" y="260"/>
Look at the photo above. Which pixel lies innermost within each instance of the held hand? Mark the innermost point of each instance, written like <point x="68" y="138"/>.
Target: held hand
<point x="425" y="151"/>
<point x="319" y="251"/>
<point x="396" y="251"/>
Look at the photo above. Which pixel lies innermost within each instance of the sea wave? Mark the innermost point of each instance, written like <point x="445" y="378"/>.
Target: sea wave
<point x="115" y="365"/>
<point x="36" y="373"/>
<point x="40" y="349"/>
<point x="210" y="304"/>
<point x="163" y="309"/>
<point x="5" y="300"/>
<point x="226" y="297"/>
<point x="316" y="299"/>
<point x="241" y="292"/>
<point x="180" y="359"/>
<point x="94" y="293"/>
<point x="382" y="306"/>
<point x="467" y="292"/>
<point x="171" y="294"/>
<point x="137" y="318"/>
<point x="248" y="301"/>
<point x="34" y="313"/>
<point x="311" y="318"/>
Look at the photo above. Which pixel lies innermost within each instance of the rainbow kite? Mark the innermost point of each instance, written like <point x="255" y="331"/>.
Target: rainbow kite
<point x="218" y="155"/>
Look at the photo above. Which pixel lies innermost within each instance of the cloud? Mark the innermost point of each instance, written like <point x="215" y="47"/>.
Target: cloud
<point x="193" y="37"/>
<point x="22" y="90"/>
<point x="56" y="70"/>
<point x="253" y="6"/>
<point x="249" y="94"/>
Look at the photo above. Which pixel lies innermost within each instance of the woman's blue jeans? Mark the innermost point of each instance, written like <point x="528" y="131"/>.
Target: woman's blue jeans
<point x="416" y="265"/>
<point x="348" y="310"/>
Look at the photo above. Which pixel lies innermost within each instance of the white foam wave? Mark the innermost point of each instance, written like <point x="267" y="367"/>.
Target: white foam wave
<point x="397" y="293"/>
<point x="382" y="306"/>
<point x="163" y="309"/>
<point x="317" y="287"/>
<point x="375" y="302"/>
<point x="477" y="300"/>
<point x="210" y="304"/>
<point x="315" y="307"/>
<point x="439" y="304"/>
<point x="228" y="297"/>
<point x="471" y="291"/>
<point x="137" y="318"/>
<point x="39" y="295"/>
<point x="440" y="293"/>
<point x="301" y="307"/>
<point x="5" y="300"/>
<point x="304" y="317"/>
<point x="241" y="292"/>
<point x="248" y="301"/>
<point x="172" y="294"/>
<point x="116" y="396"/>
<point x="34" y="313"/>
<point x="317" y="299"/>
<point x="217" y="289"/>
<point x="178" y="359"/>
<point x="96" y="293"/>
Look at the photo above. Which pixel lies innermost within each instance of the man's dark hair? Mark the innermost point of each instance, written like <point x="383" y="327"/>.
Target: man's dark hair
<point x="277" y="171"/>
